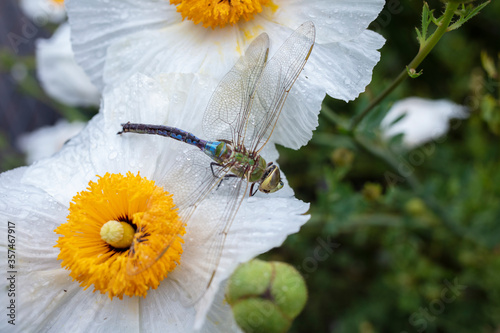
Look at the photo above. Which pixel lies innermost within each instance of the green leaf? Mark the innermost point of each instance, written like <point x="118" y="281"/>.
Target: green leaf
<point x="466" y="13"/>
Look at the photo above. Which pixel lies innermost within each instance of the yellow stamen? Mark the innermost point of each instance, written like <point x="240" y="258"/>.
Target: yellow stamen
<point x="141" y="209"/>
<point x="59" y="2"/>
<point x="219" y="13"/>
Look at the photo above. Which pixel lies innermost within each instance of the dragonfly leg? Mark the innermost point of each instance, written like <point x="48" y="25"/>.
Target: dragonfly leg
<point x="225" y="176"/>
<point x="252" y="192"/>
<point x="212" y="167"/>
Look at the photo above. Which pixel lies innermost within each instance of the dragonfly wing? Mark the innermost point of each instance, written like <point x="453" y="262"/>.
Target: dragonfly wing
<point x="275" y="83"/>
<point x="229" y="196"/>
<point x="225" y="111"/>
<point x="191" y="182"/>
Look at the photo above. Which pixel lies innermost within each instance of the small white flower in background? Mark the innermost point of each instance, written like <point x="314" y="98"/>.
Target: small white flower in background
<point x="60" y="76"/>
<point x="120" y="169"/>
<point x="114" y="39"/>
<point x="47" y="140"/>
<point x="43" y="11"/>
<point x="422" y="119"/>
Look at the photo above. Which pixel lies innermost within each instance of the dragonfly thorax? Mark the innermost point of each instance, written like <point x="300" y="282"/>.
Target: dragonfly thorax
<point x="254" y="168"/>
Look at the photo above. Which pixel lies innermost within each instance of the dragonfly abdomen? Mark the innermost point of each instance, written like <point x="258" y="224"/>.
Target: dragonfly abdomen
<point x="171" y="132"/>
<point x="215" y="149"/>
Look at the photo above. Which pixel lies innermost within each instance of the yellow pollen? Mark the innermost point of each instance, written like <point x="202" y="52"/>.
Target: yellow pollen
<point x="58" y="2"/>
<point x="219" y="13"/>
<point x="130" y="209"/>
<point x="117" y="234"/>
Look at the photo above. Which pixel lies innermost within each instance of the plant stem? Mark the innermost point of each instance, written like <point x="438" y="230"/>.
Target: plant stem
<point x="425" y="49"/>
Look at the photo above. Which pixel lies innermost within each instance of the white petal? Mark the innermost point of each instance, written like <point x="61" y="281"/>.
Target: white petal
<point x="161" y="311"/>
<point x="55" y="303"/>
<point x="336" y="20"/>
<point x="344" y="69"/>
<point x="34" y="216"/>
<point x="74" y="167"/>
<point x="299" y="117"/>
<point x="220" y="317"/>
<point x="423" y="121"/>
<point x="182" y="48"/>
<point x="96" y="24"/>
<point x="61" y="77"/>
<point x="47" y="140"/>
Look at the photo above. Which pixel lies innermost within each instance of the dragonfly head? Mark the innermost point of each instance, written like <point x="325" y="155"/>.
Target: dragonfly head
<point x="271" y="180"/>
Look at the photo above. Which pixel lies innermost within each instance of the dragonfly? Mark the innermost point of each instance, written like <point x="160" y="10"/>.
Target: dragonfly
<point x="238" y="122"/>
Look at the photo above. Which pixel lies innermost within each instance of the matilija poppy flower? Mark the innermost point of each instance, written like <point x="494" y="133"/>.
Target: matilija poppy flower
<point x="73" y="213"/>
<point x="113" y="39"/>
<point x="421" y="120"/>
<point x="41" y="11"/>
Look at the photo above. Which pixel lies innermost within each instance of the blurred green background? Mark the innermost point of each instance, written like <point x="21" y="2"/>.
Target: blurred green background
<point x="383" y="252"/>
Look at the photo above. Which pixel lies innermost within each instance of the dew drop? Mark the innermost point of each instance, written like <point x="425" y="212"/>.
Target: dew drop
<point x="112" y="155"/>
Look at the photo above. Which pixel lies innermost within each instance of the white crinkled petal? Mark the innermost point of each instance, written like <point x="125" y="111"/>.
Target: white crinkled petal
<point x="47" y="140"/>
<point x="220" y="316"/>
<point x="55" y="303"/>
<point x="335" y="20"/>
<point x="34" y="215"/>
<point x="96" y="24"/>
<point x="61" y="77"/>
<point x="344" y="69"/>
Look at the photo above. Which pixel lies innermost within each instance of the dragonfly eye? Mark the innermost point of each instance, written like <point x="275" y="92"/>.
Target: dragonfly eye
<point x="271" y="180"/>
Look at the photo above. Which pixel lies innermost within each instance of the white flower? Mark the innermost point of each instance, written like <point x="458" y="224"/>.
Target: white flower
<point x="61" y="77"/>
<point x="422" y="120"/>
<point x="41" y="11"/>
<point x="37" y="198"/>
<point x="47" y="140"/>
<point x="114" y="39"/>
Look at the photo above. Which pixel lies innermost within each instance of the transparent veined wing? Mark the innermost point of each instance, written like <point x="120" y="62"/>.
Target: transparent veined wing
<point x="226" y="193"/>
<point x="225" y="201"/>
<point x="192" y="181"/>
<point x="273" y="87"/>
<point x="230" y="99"/>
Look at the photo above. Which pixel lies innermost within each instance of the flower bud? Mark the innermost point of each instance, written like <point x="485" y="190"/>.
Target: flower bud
<point x="342" y="157"/>
<point x="372" y="191"/>
<point x="415" y="207"/>
<point x="266" y="296"/>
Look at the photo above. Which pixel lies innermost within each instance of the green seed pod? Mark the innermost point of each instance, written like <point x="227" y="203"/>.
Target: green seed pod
<point x="266" y="297"/>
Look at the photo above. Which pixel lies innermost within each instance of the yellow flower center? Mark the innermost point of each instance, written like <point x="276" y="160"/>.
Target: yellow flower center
<point x="58" y="2"/>
<point x="123" y="236"/>
<point x="219" y="13"/>
<point x="118" y="234"/>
